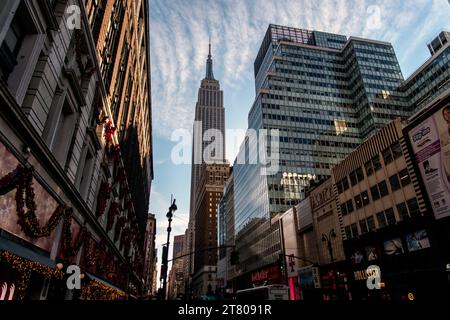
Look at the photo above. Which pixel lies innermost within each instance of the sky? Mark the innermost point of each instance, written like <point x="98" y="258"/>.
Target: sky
<point x="179" y="33"/>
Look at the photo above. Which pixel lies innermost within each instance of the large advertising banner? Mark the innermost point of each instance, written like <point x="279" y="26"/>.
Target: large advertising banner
<point x="431" y="146"/>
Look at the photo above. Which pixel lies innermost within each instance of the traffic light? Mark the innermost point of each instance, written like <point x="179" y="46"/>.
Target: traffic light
<point x="281" y="262"/>
<point x="234" y="258"/>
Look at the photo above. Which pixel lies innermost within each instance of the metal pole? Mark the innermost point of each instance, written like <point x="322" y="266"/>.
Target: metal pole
<point x="165" y="262"/>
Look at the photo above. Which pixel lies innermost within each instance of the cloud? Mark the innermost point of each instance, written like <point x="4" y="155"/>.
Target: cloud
<point x="180" y="30"/>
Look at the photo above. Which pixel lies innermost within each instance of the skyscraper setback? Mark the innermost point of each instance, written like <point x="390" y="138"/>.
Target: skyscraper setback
<point x="209" y="173"/>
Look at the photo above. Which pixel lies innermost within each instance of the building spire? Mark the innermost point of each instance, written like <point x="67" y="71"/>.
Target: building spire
<point x="209" y="63"/>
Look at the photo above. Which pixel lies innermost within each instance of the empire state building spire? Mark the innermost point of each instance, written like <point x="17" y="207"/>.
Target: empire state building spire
<point x="209" y="64"/>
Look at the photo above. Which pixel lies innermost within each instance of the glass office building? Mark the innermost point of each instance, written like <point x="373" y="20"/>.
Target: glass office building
<point x="432" y="78"/>
<point x="324" y="94"/>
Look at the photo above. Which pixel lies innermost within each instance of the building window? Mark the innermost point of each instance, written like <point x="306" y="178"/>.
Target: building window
<point x="345" y="185"/>
<point x="365" y="198"/>
<point x="63" y="134"/>
<point x="413" y="207"/>
<point x="359" y="174"/>
<point x="358" y="201"/>
<point x="396" y="150"/>
<point x="353" y="179"/>
<point x="369" y="168"/>
<point x="403" y="211"/>
<point x="390" y="216"/>
<point x="387" y="156"/>
<point x="348" y="232"/>
<point x="381" y="219"/>
<point x="395" y="182"/>
<point x="375" y="193"/>
<point x="12" y="43"/>
<point x="354" y="228"/>
<point x="404" y="177"/>
<point x="363" y="226"/>
<point x="350" y="206"/>
<point x="86" y="176"/>
<point x="371" y="223"/>
<point x="376" y="163"/>
<point x="344" y="209"/>
<point x="382" y="186"/>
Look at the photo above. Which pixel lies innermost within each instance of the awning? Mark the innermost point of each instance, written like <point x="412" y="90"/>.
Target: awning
<point x="26" y="253"/>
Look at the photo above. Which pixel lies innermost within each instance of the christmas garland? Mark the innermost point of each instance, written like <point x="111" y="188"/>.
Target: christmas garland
<point x="10" y="181"/>
<point x="21" y="179"/>
<point x="27" y="219"/>
<point x="95" y="290"/>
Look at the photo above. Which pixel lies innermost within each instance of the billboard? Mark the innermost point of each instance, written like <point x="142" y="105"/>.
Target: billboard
<point x="417" y="240"/>
<point x="430" y="142"/>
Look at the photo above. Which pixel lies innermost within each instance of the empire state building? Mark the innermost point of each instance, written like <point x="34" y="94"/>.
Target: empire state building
<point x="208" y="175"/>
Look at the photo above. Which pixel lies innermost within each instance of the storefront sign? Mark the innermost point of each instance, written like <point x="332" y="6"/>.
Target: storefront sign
<point x="267" y="274"/>
<point x="322" y="197"/>
<point x="309" y="278"/>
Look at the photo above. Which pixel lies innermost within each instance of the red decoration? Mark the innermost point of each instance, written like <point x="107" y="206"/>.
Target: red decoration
<point x="103" y="196"/>
<point x="114" y="211"/>
<point x="109" y="131"/>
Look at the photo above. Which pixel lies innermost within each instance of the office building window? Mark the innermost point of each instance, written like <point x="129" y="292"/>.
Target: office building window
<point x="350" y="206"/>
<point x="358" y="201"/>
<point x="383" y="188"/>
<point x="369" y="168"/>
<point x="387" y="156"/>
<point x="365" y="198"/>
<point x="353" y="178"/>
<point x="376" y="163"/>
<point x="371" y="223"/>
<point x="403" y="211"/>
<point x="363" y="226"/>
<point x="354" y="229"/>
<point x="344" y="209"/>
<point x="356" y="176"/>
<point x="404" y="177"/>
<point x="375" y="193"/>
<point x="390" y="216"/>
<point x="395" y="182"/>
<point x="345" y="185"/>
<point x="396" y="150"/>
<point x="413" y="207"/>
<point x="348" y="232"/>
<point x="359" y="174"/>
<point x="381" y="219"/>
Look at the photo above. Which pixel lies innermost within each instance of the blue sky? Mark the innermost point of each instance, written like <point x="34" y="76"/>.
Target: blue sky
<point x="179" y="46"/>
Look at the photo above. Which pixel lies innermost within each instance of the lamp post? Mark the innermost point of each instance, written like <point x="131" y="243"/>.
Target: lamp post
<point x="328" y="239"/>
<point x="164" y="262"/>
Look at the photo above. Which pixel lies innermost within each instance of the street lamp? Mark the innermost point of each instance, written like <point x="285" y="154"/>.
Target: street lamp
<point x="328" y="239"/>
<point x="165" y="254"/>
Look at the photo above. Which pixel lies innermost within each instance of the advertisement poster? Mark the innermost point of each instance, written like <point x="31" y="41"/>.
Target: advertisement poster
<point x="431" y="146"/>
<point x="393" y="247"/>
<point x="417" y="240"/>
